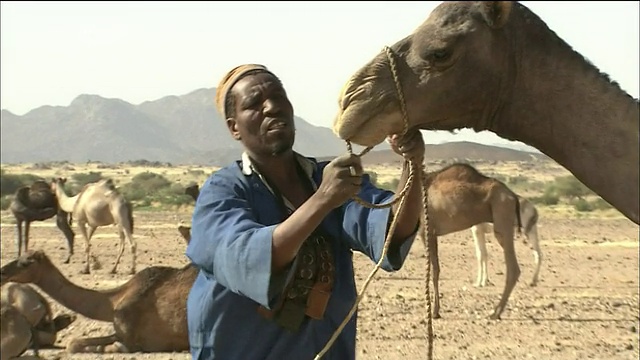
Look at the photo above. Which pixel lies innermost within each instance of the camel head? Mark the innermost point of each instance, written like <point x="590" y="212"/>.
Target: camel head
<point x="193" y="191"/>
<point x="185" y="231"/>
<point x="27" y="268"/>
<point x="449" y="69"/>
<point x="55" y="182"/>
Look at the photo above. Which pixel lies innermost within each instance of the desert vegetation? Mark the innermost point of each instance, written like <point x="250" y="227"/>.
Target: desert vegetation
<point x="148" y="185"/>
<point x="153" y="185"/>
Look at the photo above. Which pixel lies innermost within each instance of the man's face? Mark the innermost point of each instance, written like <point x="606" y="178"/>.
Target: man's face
<point x="263" y="118"/>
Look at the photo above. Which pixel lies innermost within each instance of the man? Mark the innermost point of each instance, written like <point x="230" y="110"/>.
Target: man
<point x="273" y="234"/>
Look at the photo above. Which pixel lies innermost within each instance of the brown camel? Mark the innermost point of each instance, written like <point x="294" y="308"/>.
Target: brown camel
<point x="461" y="197"/>
<point x="495" y="65"/>
<point x="193" y="191"/>
<point x="148" y="312"/>
<point x="27" y="321"/>
<point x="529" y="217"/>
<point x="99" y="204"/>
<point x="38" y="203"/>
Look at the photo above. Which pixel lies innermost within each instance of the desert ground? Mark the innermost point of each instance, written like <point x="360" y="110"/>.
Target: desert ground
<point x="585" y="306"/>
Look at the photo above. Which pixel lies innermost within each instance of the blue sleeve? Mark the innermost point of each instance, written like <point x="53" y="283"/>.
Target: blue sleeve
<point x="366" y="228"/>
<point x="228" y="244"/>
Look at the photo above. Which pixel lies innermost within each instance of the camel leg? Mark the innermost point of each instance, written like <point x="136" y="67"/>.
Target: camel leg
<point x="133" y="247"/>
<point x="435" y="273"/>
<point x="120" y="250"/>
<point x="504" y="235"/>
<point x="532" y="235"/>
<point x="27" y="225"/>
<point x="65" y="226"/>
<point x="127" y="228"/>
<point x="82" y="226"/>
<point x="96" y="262"/>
<point x="479" y="240"/>
<point x="19" y="236"/>
<point x="104" y="344"/>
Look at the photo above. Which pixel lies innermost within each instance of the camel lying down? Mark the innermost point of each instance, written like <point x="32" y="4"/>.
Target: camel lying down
<point x="148" y="312"/>
<point x="26" y="321"/>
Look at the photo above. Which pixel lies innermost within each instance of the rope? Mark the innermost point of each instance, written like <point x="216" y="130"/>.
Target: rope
<point x="401" y="198"/>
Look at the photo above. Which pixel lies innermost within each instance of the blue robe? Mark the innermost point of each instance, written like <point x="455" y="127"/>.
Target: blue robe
<point x="231" y="242"/>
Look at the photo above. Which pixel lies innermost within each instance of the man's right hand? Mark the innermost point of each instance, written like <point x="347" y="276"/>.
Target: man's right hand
<point x="341" y="180"/>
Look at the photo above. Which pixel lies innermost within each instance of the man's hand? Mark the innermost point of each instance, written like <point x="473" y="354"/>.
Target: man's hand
<point x="341" y="179"/>
<point x="411" y="146"/>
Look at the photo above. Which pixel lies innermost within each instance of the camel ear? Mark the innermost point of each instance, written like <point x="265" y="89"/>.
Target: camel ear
<point x="496" y="13"/>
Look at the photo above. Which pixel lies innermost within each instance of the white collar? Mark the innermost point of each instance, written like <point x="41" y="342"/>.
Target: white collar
<point x="248" y="168"/>
<point x="306" y="164"/>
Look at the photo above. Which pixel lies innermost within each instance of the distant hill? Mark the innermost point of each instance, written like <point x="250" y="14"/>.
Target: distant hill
<point x="183" y="129"/>
<point x="462" y="150"/>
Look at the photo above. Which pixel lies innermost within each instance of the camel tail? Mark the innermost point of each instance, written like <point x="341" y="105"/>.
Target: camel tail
<point x="518" y="217"/>
<point x="130" y="214"/>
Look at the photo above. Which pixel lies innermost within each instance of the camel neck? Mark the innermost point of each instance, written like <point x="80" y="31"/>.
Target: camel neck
<point x="563" y="106"/>
<point x="93" y="304"/>
<point x="66" y="203"/>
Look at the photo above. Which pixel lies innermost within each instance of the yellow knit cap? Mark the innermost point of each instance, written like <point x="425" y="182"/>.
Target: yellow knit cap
<point x="230" y="79"/>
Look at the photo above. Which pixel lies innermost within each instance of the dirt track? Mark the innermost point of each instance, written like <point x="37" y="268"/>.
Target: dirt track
<point x="586" y="305"/>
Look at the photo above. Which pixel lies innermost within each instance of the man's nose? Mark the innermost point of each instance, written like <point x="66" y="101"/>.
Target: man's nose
<point x="271" y="107"/>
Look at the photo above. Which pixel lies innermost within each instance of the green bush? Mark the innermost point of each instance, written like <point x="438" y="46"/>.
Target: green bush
<point x="5" y="202"/>
<point x="549" y="197"/>
<point x="600" y="204"/>
<point x="582" y="205"/>
<point x="571" y="188"/>
<point x="9" y="183"/>
<point x="517" y="180"/>
<point x="82" y="179"/>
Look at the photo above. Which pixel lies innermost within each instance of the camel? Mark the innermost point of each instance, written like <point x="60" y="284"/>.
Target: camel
<point x="529" y="216"/>
<point x="459" y="197"/>
<point x="99" y="204"/>
<point x="495" y="65"/>
<point x="193" y="191"/>
<point x="148" y="312"/>
<point x="38" y="203"/>
<point x="27" y="321"/>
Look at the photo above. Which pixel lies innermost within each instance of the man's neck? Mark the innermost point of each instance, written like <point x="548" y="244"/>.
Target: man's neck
<point x="277" y="168"/>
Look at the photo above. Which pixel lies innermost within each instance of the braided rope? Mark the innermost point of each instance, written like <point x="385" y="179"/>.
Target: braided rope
<point x="401" y="198"/>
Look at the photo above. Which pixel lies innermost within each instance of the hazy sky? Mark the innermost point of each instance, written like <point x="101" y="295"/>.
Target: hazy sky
<point x="51" y="52"/>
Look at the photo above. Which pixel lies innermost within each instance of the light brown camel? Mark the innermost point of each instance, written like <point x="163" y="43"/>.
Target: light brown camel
<point x="148" y="312"/>
<point x="529" y="217"/>
<point x="27" y="321"/>
<point x="38" y="203"/>
<point x="99" y="204"/>
<point x="461" y="197"/>
<point x="495" y="65"/>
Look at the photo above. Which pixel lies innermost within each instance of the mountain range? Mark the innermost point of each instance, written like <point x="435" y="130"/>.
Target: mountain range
<point x="184" y="129"/>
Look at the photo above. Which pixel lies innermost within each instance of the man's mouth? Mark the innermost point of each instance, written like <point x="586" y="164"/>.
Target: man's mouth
<point x="276" y="126"/>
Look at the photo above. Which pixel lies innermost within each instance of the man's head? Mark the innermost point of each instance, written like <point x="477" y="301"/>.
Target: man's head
<point x="257" y="110"/>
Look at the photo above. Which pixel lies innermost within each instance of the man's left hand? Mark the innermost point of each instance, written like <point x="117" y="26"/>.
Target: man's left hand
<point x="410" y="146"/>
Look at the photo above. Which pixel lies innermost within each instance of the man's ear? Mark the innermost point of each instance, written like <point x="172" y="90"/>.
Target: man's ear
<point x="233" y="128"/>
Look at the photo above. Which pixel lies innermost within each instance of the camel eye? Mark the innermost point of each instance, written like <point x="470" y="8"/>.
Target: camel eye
<point x="440" y="55"/>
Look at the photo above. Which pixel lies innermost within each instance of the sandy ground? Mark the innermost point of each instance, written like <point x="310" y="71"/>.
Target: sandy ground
<point x="585" y="307"/>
